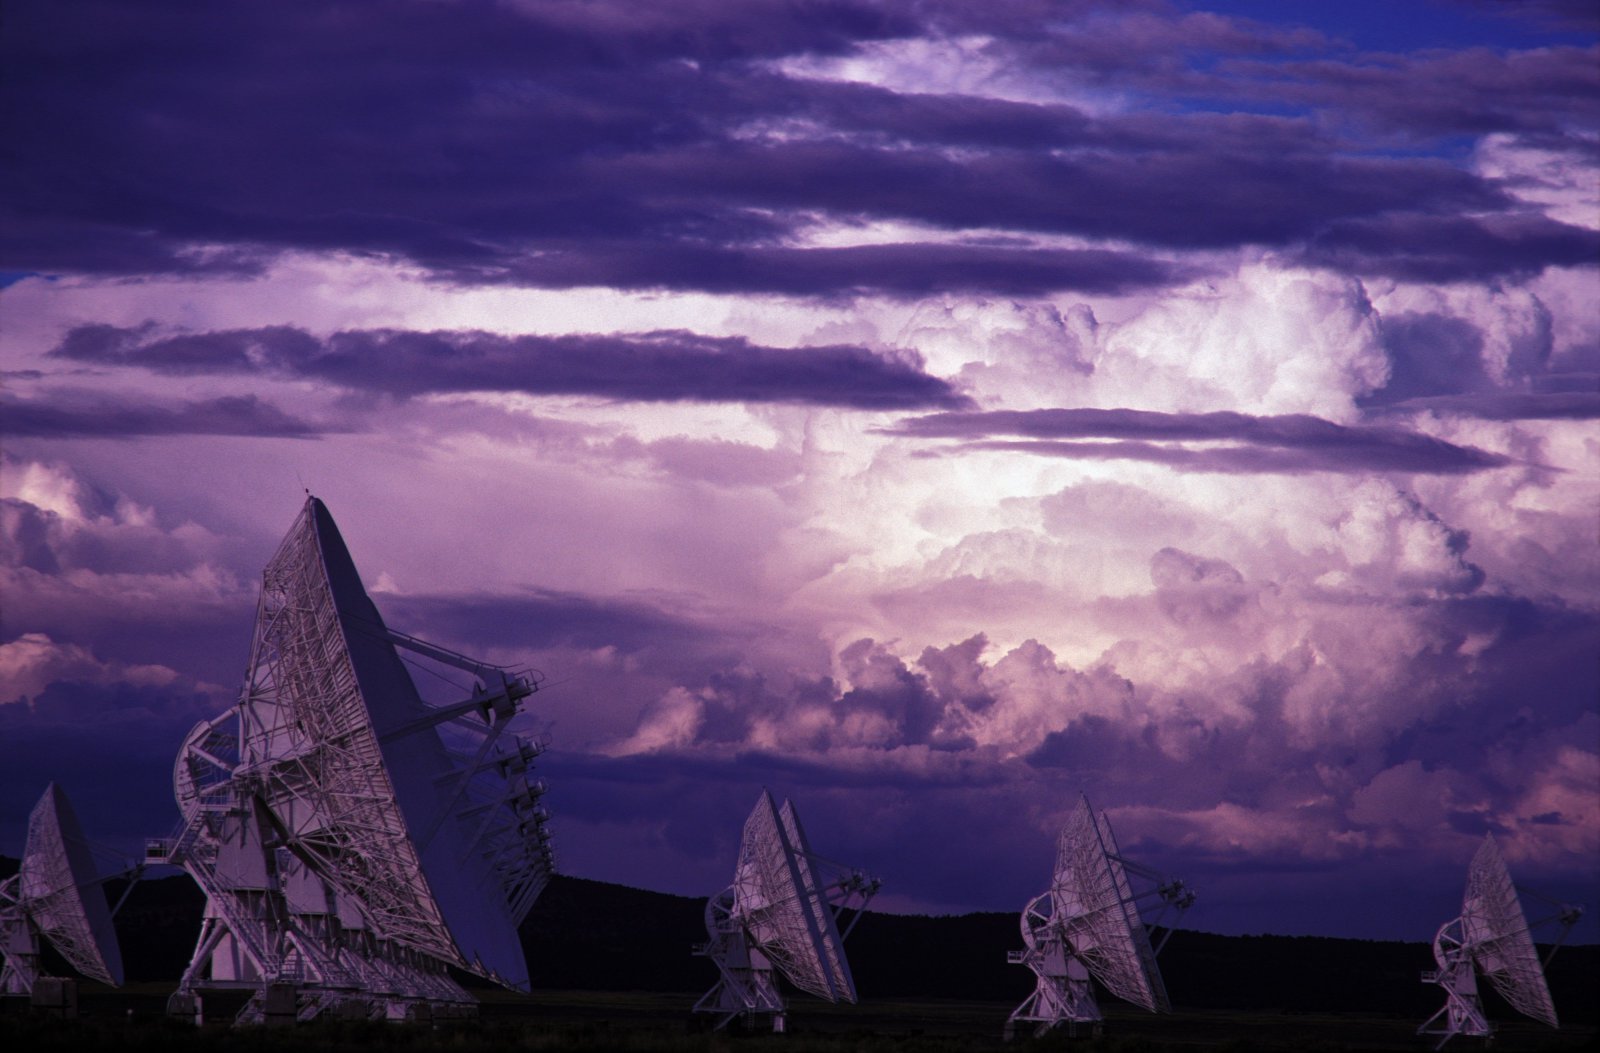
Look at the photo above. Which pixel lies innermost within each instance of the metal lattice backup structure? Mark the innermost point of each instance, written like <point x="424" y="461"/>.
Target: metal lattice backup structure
<point x="1492" y="937"/>
<point x="780" y="915"/>
<point x="354" y="842"/>
<point x="55" y="896"/>
<point x="1088" y="927"/>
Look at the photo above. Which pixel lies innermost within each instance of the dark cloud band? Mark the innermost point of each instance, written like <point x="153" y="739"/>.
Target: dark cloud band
<point x="73" y="417"/>
<point x="1238" y="442"/>
<point x="669" y="366"/>
<point x="553" y="145"/>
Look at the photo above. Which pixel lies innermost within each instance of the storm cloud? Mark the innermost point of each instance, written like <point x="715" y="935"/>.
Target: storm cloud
<point x="529" y="144"/>
<point x="928" y="410"/>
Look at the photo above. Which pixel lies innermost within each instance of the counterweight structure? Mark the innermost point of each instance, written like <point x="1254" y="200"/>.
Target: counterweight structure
<point x="1088" y="927"/>
<point x="1492" y="936"/>
<point x="354" y="843"/>
<point x="780" y="915"/>
<point x="55" y="896"/>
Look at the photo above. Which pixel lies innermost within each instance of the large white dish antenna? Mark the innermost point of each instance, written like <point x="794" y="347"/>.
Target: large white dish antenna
<point x="780" y="913"/>
<point x="57" y="895"/>
<point x="1088" y="925"/>
<point x="354" y="841"/>
<point x="1497" y="931"/>
<point x="1492" y="937"/>
<point x="1099" y="916"/>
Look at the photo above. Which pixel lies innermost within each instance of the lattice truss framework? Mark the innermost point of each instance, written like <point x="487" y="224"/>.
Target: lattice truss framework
<point x="330" y="824"/>
<point x="780" y="915"/>
<point x="55" y="896"/>
<point x="1492" y="936"/>
<point x="1088" y="925"/>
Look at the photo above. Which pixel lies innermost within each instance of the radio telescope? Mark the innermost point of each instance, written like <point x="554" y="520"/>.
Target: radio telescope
<point x="55" y="895"/>
<point x="1492" y="937"/>
<point x="353" y="841"/>
<point x="1088" y="925"/>
<point x="780" y="913"/>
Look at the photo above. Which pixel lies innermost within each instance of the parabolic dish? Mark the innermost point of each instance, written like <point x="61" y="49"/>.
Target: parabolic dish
<point x="381" y="817"/>
<point x="1496" y="932"/>
<point x="1098" y="914"/>
<point x="783" y="906"/>
<point x="62" y="890"/>
<point x="831" y="947"/>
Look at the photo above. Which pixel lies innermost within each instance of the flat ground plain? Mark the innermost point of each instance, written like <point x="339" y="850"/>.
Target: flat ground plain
<point x="131" y="1020"/>
<point x="612" y="972"/>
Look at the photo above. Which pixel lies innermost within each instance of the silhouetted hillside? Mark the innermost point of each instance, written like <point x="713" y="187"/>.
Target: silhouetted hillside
<point x="157" y="926"/>
<point x="591" y="935"/>
<point x="952" y="956"/>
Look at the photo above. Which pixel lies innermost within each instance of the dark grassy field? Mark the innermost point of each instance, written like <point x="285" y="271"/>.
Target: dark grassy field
<point x="131" y="1020"/>
<point x="612" y="971"/>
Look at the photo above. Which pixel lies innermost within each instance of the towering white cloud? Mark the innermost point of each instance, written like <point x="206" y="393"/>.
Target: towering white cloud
<point x="967" y="403"/>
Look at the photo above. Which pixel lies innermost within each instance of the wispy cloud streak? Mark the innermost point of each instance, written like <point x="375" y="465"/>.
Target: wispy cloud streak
<point x="647" y="367"/>
<point x="1286" y="443"/>
<point x="78" y="415"/>
<point x="937" y="407"/>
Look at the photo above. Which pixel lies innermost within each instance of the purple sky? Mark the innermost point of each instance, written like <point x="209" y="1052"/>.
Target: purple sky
<point x="928" y="410"/>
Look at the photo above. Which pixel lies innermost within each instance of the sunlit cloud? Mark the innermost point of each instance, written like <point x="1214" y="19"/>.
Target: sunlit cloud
<point x="930" y="410"/>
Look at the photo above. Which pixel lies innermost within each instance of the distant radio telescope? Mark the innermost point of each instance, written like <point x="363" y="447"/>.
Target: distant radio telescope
<point x="780" y="913"/>
<point x="1492" y="937"/>
<point x="55" y="896"/>
<point x="354" y="843"/>
<point x="1088" y="925"/>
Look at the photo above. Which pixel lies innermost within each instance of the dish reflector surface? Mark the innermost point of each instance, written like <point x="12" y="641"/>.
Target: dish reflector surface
<point x="785" y="908"/>
<point x="376" y="803"/>
<point x="1496" y="932"/>
<point x="1100" y="917"/>
<point x="62" y="890"/>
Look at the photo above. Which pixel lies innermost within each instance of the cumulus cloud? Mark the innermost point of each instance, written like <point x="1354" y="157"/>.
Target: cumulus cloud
<point x="32" y="661"/>
<point x="1277" y="340"/>
<point x="929" y="410"/>
<point x="107" y="729"/>
<point x="1406" y="796"/>
<point x="1294" y="750"/>
<point x="34" y="670"/>
<point x="85" y="565"/>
